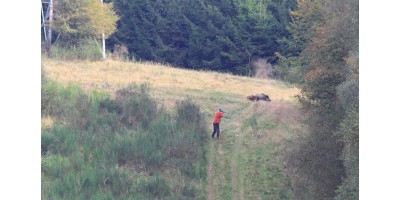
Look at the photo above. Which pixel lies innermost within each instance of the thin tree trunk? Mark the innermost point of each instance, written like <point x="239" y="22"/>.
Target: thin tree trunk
<point x="104" y="43"/>
<point x="104" y="47"/>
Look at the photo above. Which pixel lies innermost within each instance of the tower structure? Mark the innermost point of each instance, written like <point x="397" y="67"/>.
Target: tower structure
<point x="47" y="21"/>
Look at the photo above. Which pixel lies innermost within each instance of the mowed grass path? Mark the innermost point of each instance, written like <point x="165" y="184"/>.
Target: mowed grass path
<point x="244" y="162"/>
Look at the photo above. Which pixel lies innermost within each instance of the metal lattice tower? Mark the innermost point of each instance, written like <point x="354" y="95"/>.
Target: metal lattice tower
<point x="47" y="21"/>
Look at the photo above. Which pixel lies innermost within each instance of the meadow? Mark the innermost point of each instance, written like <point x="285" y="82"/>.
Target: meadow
<point x="123" y="130"/>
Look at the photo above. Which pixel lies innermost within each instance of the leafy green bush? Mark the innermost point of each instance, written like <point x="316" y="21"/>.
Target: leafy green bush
<point x="349" y="134"/>
<point x="188" y="113"/>
<point x="138" y="108"/>
<point x="290" y="69"/>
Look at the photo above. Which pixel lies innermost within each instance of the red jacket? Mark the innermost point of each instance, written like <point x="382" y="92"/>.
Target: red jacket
<point x="217" y="117"/>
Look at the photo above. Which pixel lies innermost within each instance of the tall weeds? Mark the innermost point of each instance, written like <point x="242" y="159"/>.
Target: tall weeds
<point x="87" y="50"/>
<point x="98" y="145"/>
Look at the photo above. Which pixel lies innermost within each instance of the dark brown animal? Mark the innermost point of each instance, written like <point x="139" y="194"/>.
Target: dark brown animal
<point x="251" y="98"/>
<point x="258" y="97"/>
<point x="262" y="96"/>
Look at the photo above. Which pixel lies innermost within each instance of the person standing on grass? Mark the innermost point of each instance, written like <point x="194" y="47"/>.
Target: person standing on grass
<point x="217" y="119"/>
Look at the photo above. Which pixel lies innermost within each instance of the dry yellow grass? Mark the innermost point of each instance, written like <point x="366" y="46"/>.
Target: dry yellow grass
<point x="47" y="122"/>
<point x="119" y="74"/>
<point x="165" y="80"/>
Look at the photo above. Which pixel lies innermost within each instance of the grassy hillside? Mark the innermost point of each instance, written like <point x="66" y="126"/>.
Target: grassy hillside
<point x="244" y="164"/>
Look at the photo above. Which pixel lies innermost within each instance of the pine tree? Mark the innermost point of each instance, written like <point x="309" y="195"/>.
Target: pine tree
<point x="215" y="35"/>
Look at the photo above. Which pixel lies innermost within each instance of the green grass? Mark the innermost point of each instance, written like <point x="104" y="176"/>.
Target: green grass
<point x="88" y="50"/>
<point x="152" y="146"/>
<point x="98" y="145"/>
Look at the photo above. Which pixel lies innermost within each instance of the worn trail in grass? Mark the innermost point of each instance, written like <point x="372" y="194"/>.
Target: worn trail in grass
<point x="237" y="189"/>
<point x="245" y="162"/>
<point x="210" y="175"/>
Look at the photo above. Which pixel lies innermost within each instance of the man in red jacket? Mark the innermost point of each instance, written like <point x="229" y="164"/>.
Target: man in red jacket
<point x="217" y="119"/>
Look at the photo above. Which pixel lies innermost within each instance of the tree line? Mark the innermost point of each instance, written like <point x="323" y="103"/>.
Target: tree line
<point x="220" y="35"/>
<point x="322" y="59"/>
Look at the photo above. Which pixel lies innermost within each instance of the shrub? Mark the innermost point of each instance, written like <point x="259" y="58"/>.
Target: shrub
<point x="137" y="107"/>
<point x="349" y="134"/>
<point x="188" y="113"/>
<point x="190" y="121"/>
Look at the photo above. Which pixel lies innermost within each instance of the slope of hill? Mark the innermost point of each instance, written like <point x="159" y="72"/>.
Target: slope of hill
<point x="244" y="164"/>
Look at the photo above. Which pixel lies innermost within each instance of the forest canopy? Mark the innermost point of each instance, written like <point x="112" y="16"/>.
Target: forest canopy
<point x="221" y="35"/>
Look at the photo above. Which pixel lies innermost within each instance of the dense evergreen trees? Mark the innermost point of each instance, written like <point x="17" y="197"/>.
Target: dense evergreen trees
<point x="222" y="35"/>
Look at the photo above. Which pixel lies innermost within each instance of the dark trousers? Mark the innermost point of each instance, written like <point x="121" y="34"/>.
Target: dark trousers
<point x="216" y="130"/>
